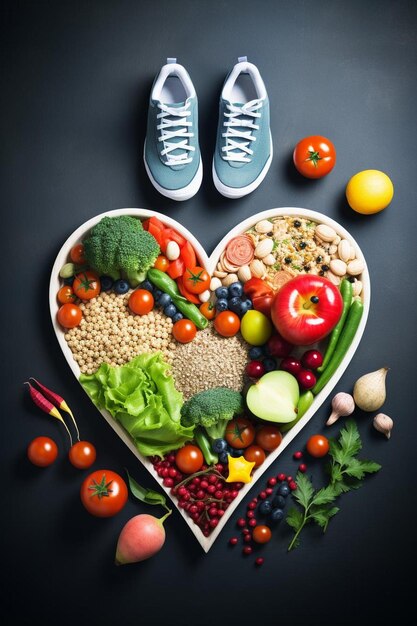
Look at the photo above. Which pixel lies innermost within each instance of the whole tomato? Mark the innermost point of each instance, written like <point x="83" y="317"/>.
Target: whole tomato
<point x="268" y="437"/>
<point x="318" y="446"/>
<point x="315" y="156"/>
<point x="104" y="493"/>
<point x="189" y="459"/>
<point x="255" y="454"/>
<point x="227" y="324"/>
<point x="184" y="330"/>
<point x="86" y="285"/>
<point x="66" y="294"/>
<point x="141" y="301"/>
<point x="42" y="451"/>
<point x="196" y="279"/>
<point x="240" y="433"/>
<point x="69" y="315"/>
<point x="82" y="454"/>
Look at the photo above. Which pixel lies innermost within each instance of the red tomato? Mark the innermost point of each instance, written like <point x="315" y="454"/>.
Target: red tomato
<point x="315" y="156"/>
<point x="42" y="451"/>
<point x="66" y="294"/>
<point x="306" y="309"/>
<point x="318" y="446"/>
<point x="208" y="310"/>
<point x="261" y="534"/>
<point x="86" y="285"/>
<point x="196" y="279"/>
<point x="104" y="493"/>
<point x="227" y="323"/>
<point x="255" y="454"/>
<point x="77" y="254"/>
<point x="141" y="301"/>
<point x="69" y="315"/>
<point x="240" y="433"/>
<point x="176" y="269"/>
<point x="188" y="255"/>
<point x="189" y="459"/>
<point x="268" y="438"/>
<point x="184" y="330"/>
<point x="161" y="263"/>
<point x="191" y="297"/>
<point x="82" y="454"/>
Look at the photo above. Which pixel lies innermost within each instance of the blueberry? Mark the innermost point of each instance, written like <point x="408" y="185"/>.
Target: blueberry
<point x="235" y="453"/>
<point x="221" y="304"/>
<point x="164" y="300"/>
<point x="234" y="304"/>
<point x="106" y="283"/>
<point x="177" y="317"/>
<point x="157" y="294"/>
<point x="283" y="490"/>
<point x="121" y="286"/>
<point x="269" y="364"/>
<point x="219" y="445"/>
<point x="277" y="515"/>
<point x="278" y="502"/>
<point x="221" y="293"/>
<point x="223" y="458"/>
<point x="248" y="304"/>
<point x="147" y="285"/>
<point x="69" y="280"/>
<point x="170" y="310"/>
<point x="235" y="289"/>
<point x="265" y="507"/>
<point x="243" y="307"/>
<point x="256" y="353"/>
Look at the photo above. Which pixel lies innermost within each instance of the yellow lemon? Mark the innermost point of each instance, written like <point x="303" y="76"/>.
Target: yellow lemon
<point x="369" y="191"/>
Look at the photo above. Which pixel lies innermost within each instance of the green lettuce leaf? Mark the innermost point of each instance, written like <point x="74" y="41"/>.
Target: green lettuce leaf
<point x="141" y="396"/>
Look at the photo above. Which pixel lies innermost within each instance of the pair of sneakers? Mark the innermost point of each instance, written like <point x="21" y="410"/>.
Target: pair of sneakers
<point x="243" y="152"/>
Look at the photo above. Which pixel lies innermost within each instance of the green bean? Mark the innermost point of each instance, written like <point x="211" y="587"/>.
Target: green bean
<point x="166" y="284"/>
<point x="346" y="337"/>
<point x="304" y="403"/>
<point x="346" y="291"/>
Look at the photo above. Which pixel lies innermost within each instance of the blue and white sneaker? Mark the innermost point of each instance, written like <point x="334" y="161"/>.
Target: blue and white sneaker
<point x="171" y="152"/>
<point x="243" y="151"/>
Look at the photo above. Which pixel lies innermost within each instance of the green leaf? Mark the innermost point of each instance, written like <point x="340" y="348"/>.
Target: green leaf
<point x="354" y="468"/>
<point x="305" y="490"/>
<point x="349" y="439"/>
<point x="323" y="515"/>
<point x="294" y="519"/>
<point x="370" y="467"/>
<point x="326" y="495"/>
<point x="146" y="495"/>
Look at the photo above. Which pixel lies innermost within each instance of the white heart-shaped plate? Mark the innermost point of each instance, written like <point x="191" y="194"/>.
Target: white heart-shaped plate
<point x="210" y="264"/>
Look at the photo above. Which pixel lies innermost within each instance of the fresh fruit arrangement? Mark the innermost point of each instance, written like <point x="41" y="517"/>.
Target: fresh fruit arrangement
<point x="283" y="304"/>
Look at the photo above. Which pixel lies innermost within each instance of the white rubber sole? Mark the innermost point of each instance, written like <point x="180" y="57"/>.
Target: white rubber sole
<point x="239" y="192"/>
<point x="185" y="193"/>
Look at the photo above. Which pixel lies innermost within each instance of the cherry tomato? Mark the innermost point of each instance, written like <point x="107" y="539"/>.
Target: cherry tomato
<point x="82" y="454"/>
<point x="104" y="493"/>
<point x="189" y="459"/>
<point x="184" y="330"/>
<point x="227" y="323"/>
<point x="77" y="254"/>
<point x="315" y="156"/>
<point x="208" y="310"/>
<point x="66" y="294"/>
<point x="161" y="263"/>
<point x="86" y="285"/>
<point x="42" y="451"/>
<point x="268" y="437"/>
<point x="240" y="433"/>
<point x="318" y="446"/>
<point x="261" y="534"/>
<point x="141" y="302"/>
<point x="196" y="279"/>
<point x="69" y="315"/>
<point x="255" y="454"/>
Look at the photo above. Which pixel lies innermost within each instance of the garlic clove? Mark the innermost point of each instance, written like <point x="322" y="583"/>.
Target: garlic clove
<point x="369" y="391"/>
<point x="383" y="424"/>
<point x="342" y="404"/>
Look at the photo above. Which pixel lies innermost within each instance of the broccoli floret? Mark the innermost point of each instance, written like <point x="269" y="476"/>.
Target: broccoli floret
<point x="212" y="409"/>
<point x="120" y="245"/>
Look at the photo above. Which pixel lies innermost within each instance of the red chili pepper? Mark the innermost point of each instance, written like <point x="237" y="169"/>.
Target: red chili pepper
<point x="46" y="406"/>
<point x="58" y="401"/>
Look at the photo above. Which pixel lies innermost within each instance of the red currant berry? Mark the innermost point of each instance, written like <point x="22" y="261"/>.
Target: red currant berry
<point x="302" y="467"/>
<point x="252" y="522"/>
<point x="272" y="481"/>
<point x="292" y="485"/>
<point x="241" y="522"/>
<point x="281" y="477"/>
<point x="298" y="455"/>
<point x="233" y="541"/>
<point x="247" y="550"/>
<point x="259" y="561"/>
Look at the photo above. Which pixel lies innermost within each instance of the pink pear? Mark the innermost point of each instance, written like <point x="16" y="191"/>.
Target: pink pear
<point x="141" y="537"/>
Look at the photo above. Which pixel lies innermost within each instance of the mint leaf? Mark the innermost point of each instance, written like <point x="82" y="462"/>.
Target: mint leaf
<point x="305" y="490"/>
<point x="295" y="519"/>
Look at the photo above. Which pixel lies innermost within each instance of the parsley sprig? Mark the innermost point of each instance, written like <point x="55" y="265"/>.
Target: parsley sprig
<point x="346" y="472"/>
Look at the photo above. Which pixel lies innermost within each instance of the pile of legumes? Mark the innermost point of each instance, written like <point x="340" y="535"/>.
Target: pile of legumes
<point x="207" y="373"/>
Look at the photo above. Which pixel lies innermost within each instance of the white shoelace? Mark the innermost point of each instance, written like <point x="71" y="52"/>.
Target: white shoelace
<point x="237" y="140"/>
<point x="175" y="117"/>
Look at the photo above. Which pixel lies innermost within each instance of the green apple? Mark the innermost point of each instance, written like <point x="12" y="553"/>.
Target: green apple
<point x="274" y="397"/>
<point x="255" y="328"/>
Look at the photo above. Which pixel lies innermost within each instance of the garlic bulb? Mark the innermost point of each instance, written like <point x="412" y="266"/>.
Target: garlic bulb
<point x="369" y="390"/>
<point x="342" y="404"/>
<point x="383" y="424"/>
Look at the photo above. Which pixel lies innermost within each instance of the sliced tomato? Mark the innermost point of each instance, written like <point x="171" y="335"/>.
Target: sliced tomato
<point x="256" y="287"/>
<point x="176" y="269"/>
<point x="188" y="255"/>
<point x="263" y="304"/>
<point x="187" y="294"/>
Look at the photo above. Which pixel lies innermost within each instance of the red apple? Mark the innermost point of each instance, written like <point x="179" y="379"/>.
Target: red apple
<point x="306" y="309"/>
